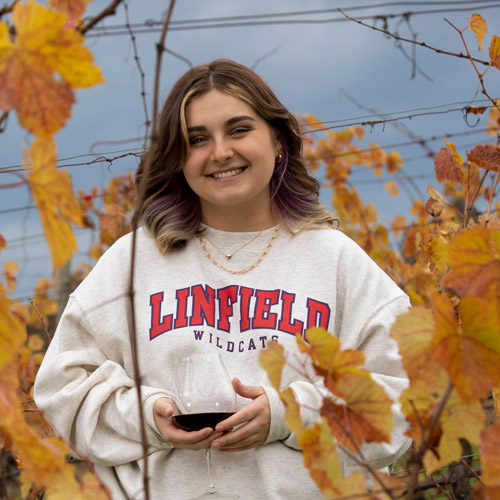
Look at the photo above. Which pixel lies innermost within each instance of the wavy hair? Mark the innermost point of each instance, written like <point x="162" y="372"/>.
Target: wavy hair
<point x="168" y="206"/>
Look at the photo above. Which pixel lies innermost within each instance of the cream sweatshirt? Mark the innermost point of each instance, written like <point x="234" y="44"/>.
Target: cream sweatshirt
<point x="185" y="304"/>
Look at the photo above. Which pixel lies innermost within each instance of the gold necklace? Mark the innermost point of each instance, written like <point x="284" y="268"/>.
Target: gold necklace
<point x="251" y="266"/>
<point x="229" y="255"/>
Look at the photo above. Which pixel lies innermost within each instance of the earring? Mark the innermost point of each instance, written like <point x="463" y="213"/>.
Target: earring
<point x="280" y="157"/>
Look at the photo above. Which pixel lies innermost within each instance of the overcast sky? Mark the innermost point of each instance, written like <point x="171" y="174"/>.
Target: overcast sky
<point x="309" y="59"/>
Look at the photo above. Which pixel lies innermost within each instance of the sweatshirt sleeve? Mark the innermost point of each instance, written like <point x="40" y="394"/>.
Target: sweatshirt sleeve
<point x="90" y="399"/>
<point x="383" y="362"/>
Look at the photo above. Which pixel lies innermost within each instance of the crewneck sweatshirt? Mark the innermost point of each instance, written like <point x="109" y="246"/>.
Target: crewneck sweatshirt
<point x="184" y="303"/>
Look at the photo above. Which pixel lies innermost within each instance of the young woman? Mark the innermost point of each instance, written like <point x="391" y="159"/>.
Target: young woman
<point x="234" y="250"/>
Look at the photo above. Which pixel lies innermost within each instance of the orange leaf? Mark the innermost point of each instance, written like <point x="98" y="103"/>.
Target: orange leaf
<point x="392" y="187"/>
<point x="470" y="355"/>
<point x="321" y="458"/>
<point x="12" y="334"/>
<point x="458" y="421"/>
<point x="478" y="25"/>
<point x="3" y="242"/>
<point x="448" y="164"/>
<point x="10" y="269"/>
<point x="74" y="9"/>
<point x="474" y="258"/>
<point x="328" y="359"/>
<point x="413" y="332"/>
<point x="476" y="110"/>
<point x="272" y="359"/>
<point x="495" y="51"/>
<point x="53" y="195"/>
<point x="44" y="45"/>
<point x="292" y="415"/>
<point x="486" y="156"/>
<point x="490" y="454"/>
<point x="398" y="225"/>
<point x="366" y="415"/>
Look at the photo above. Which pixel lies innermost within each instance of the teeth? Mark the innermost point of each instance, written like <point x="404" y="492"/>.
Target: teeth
<point x="228" y="173"/>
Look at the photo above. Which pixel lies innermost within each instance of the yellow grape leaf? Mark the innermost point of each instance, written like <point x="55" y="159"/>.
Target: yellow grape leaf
<point x="448" y="164"/>
<point x="10" y="269"/>
<point x="439" y="252"/>
<point x="328" y="359"/>
<point x="478" y="25"/>
<point x="495" y="51"/>
<point x="436" y="203"/>
<point x="44" y="45"/>
<point x="272" y="359"/>
<point x="486" y="156"/>
<point x="12" y="333"/>
<point x="457" y="421"/>
<point x="322" y="461"/>
<point x="366" y="415"/>
<point x="292" y="415"/>
<point x="392" y="187"/>
<point x="53" y="195"/>
<point x="490" y="454"/>
<point x="74" y="9"/>
<point x="413" y="332"/>
<point x="470" y="354"/>
<point x="474" y="258"/>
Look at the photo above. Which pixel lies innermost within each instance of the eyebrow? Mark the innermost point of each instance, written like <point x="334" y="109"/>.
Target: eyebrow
<point x="227" y="123"/>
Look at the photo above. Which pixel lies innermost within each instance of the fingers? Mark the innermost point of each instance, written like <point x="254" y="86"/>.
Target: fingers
<point x="247" y="391"/>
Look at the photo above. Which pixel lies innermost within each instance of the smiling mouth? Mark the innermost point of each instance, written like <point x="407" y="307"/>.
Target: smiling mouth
<point x="227" y="173"/>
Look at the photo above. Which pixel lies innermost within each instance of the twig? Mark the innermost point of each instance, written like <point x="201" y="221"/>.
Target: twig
<point x="140" y="195"/>
<point x="422" y="44"/>
<point x="141" y="73"/>
<point x="108" y="11"/>
<point x="3" y="116"/>
<point x="471" y="470"/>
<point x="469" y="208"/>
<point x="492" y="195"/>
<point x="8" y="8"/>
<point x="42" y="320"/>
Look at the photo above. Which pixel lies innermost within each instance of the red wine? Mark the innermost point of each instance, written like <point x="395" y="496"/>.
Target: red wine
<point x="197" y="421"/>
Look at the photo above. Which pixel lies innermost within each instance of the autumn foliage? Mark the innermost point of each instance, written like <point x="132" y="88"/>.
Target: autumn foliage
<point x="448" y="264"/>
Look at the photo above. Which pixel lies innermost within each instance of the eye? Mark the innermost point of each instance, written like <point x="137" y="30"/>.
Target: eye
<point x="196" y="140"/>
<point x="240" y="130"/>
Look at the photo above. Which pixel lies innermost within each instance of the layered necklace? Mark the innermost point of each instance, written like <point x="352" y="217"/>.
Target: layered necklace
<point x="229" y="255"/>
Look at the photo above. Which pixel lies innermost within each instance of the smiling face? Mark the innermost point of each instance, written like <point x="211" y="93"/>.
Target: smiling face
<point x="230" y="161"/>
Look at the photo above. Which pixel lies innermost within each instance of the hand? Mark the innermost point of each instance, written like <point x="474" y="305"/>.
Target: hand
<point x="163" y="410"/>
<point x="255" y="417"/>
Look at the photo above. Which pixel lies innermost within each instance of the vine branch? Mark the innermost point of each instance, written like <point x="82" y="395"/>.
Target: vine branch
<point x="110" y="10"/>
<point x="408" y="40"/>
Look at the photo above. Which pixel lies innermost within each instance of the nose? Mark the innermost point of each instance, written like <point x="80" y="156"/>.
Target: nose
<point x="221" y="150"/>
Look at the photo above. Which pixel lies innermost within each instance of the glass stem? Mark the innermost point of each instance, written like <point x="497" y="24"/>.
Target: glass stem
<point x="208" y="454"/>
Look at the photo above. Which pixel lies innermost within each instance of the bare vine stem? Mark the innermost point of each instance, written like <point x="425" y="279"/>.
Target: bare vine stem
<point x="108" y="11"/>
<point x="140" y="196"/>
<point x="492" y="195"/>
<point x="8" y="8"/>
<point x="418" y="455"/>
<point x="141" y="73"/>
<point x="422" y="44"/>
<point x="44" y="326"/>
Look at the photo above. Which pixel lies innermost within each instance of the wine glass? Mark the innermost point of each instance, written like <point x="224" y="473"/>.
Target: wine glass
<point x="205" y="397"/>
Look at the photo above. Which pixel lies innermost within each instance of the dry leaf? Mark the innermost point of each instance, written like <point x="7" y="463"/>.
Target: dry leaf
<point x="448" y="164"/>
<point x="478" y="25"/>
<point x="495" y="51"/>
<point x="486" y="156"/>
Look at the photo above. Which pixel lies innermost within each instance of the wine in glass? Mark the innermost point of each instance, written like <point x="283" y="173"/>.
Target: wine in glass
<point x="205" y="397"/>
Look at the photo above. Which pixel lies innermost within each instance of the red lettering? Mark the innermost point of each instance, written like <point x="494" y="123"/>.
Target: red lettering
<point x="318" y="314"/>
<point x="263" y="317"/>
<point x="203" y="306"/>
<point x="226" y="297"/>
<point x="181" y="318"/>
<point x="246" y="295"/>
<point x="285" y="324"/>
<point x="159" y="325"/>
